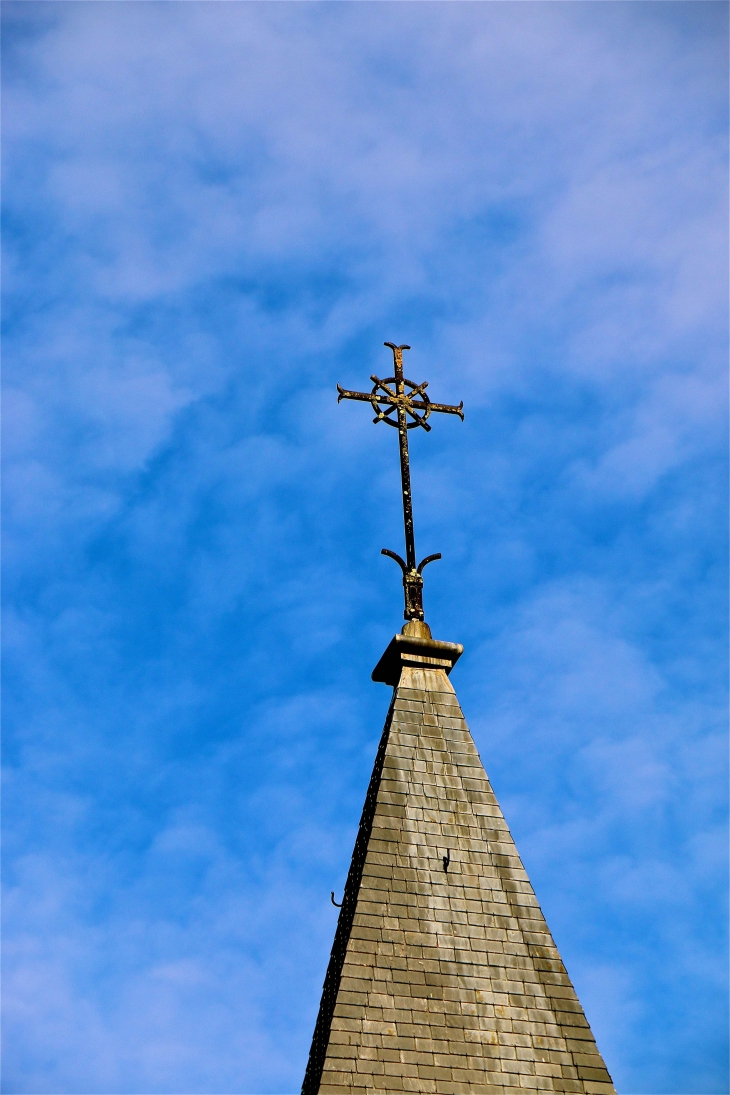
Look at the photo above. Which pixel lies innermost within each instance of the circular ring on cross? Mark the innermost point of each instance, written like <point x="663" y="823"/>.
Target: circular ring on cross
<point x="387" y="411"/>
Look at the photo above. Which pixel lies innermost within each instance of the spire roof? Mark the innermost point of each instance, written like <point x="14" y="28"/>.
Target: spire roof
<point x="443" y="975"/>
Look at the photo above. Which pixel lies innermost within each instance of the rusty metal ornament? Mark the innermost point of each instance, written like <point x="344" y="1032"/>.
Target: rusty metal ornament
<point x="395" y="405"/>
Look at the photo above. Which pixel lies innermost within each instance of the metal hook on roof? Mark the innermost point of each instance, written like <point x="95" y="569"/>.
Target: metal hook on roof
<point x="332" y="899"/>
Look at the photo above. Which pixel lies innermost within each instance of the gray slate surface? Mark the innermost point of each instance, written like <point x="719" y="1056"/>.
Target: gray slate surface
<point x="443" y="980"/>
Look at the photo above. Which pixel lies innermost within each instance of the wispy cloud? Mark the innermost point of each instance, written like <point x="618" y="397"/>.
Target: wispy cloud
<point x="212" y="214"/>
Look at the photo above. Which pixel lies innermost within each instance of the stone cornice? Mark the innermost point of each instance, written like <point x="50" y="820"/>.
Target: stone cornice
<point x="415" y="652"/>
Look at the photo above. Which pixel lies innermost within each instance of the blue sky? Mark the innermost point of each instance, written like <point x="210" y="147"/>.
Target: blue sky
<point x="213" y="214"/>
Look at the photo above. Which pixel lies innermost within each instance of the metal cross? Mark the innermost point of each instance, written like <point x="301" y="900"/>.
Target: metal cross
<point x="394" y="405"/>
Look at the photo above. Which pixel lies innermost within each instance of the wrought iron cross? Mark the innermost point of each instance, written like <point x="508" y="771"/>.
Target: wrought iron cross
<point x="394" y="405"/>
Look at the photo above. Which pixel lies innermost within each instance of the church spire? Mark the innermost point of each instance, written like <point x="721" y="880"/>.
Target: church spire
<point x="443" y="976"/>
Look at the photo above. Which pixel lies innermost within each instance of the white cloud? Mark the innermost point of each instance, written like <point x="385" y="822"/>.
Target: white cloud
<point x="213" y="213"/>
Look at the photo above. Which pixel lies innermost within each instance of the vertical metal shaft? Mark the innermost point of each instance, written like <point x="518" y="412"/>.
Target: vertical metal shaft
<point x="405" y="466"/>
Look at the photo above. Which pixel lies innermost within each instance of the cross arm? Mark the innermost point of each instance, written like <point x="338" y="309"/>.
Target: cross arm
<point x="420" y="405"/>
<point x="444" y="407"/>
<point x="366" y="397"/>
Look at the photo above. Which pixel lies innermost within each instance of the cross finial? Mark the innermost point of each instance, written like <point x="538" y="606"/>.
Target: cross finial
<point x="394" y="405"/>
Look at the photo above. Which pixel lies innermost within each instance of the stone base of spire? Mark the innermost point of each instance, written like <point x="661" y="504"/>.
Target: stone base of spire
<point x="414" y="648"/>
